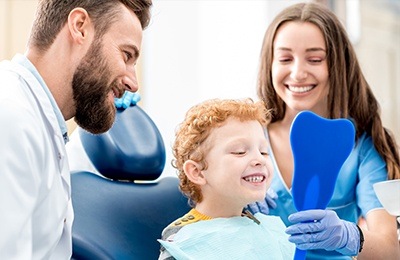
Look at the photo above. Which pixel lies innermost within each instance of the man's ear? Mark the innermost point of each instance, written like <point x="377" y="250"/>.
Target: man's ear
<point x="79" y="24"/>
<point x="193" y="171"/>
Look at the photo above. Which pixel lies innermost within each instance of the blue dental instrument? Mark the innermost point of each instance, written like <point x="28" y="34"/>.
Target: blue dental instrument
<point x="320" y="146"/>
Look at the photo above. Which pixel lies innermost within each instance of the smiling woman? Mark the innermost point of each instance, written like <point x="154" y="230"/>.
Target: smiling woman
<point x="299" y="67"/>
<point x="307" y="62"/>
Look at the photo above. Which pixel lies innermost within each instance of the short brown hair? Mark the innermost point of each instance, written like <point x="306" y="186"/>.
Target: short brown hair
<point x="51" y="16"/>
<point x="196" y="127"/>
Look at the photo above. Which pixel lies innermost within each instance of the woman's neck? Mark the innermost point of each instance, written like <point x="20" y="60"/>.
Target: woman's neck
<point x="291" y="114"/>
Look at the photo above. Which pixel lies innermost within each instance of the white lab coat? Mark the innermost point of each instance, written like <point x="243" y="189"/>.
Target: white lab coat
<point x="36" y="211"/>
<point x="77" y="157"/>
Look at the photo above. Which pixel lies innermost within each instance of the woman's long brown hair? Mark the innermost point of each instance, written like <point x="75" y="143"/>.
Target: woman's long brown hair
<point x="350" y="95"/>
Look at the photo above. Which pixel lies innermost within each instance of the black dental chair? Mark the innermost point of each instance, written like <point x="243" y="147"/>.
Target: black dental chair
<point x="121" y="213"/>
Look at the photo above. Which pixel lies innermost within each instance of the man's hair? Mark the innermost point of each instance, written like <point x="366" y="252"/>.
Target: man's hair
<point x="193" y="132"/>
<point x="51" y="16"/>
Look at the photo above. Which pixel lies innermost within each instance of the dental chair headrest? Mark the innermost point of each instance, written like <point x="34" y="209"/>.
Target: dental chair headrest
<point x="133" y="149"/>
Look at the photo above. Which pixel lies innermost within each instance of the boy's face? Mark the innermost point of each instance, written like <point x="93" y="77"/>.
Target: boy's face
<point x="238" y="170"/>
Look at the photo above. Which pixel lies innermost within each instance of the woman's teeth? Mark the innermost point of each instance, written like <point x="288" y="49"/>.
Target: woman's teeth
<point x="300" y="89"/>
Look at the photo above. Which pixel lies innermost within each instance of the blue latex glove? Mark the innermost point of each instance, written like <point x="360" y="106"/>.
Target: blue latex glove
<point x="128" y="99"/>
<point x="322" y="229"/>
<point x="263" y="206"/>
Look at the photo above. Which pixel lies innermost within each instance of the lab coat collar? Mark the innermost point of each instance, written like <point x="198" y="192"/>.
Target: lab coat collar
<point x="24" y="61"/>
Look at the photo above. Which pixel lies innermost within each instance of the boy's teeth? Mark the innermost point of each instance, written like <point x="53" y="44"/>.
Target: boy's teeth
<point x="254" y="178"/>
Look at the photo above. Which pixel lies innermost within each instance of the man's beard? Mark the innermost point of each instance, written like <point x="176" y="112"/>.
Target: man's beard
<point x="94" y="112"/>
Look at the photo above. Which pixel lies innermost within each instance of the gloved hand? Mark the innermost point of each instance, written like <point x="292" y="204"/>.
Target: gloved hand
<point x="127" y="99"/>
<point x="264" y="205"/>
<point x="322" y="229"/>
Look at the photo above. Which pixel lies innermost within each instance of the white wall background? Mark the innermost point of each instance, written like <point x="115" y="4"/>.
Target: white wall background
<point x="196" y="50"/>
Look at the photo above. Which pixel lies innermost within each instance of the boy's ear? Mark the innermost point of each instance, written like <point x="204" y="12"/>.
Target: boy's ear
<point x="193" y="171"/>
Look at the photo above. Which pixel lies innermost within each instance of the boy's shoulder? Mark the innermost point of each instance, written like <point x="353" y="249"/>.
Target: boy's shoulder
<point x="188" y="218"/>
<point x="191" y="217"/>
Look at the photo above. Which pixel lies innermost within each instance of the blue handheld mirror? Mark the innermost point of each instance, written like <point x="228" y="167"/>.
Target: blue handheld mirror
<point x="320" y="146"/>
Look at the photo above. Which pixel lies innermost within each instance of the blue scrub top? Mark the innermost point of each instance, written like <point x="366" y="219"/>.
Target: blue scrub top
<point x="353" y="196"/>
